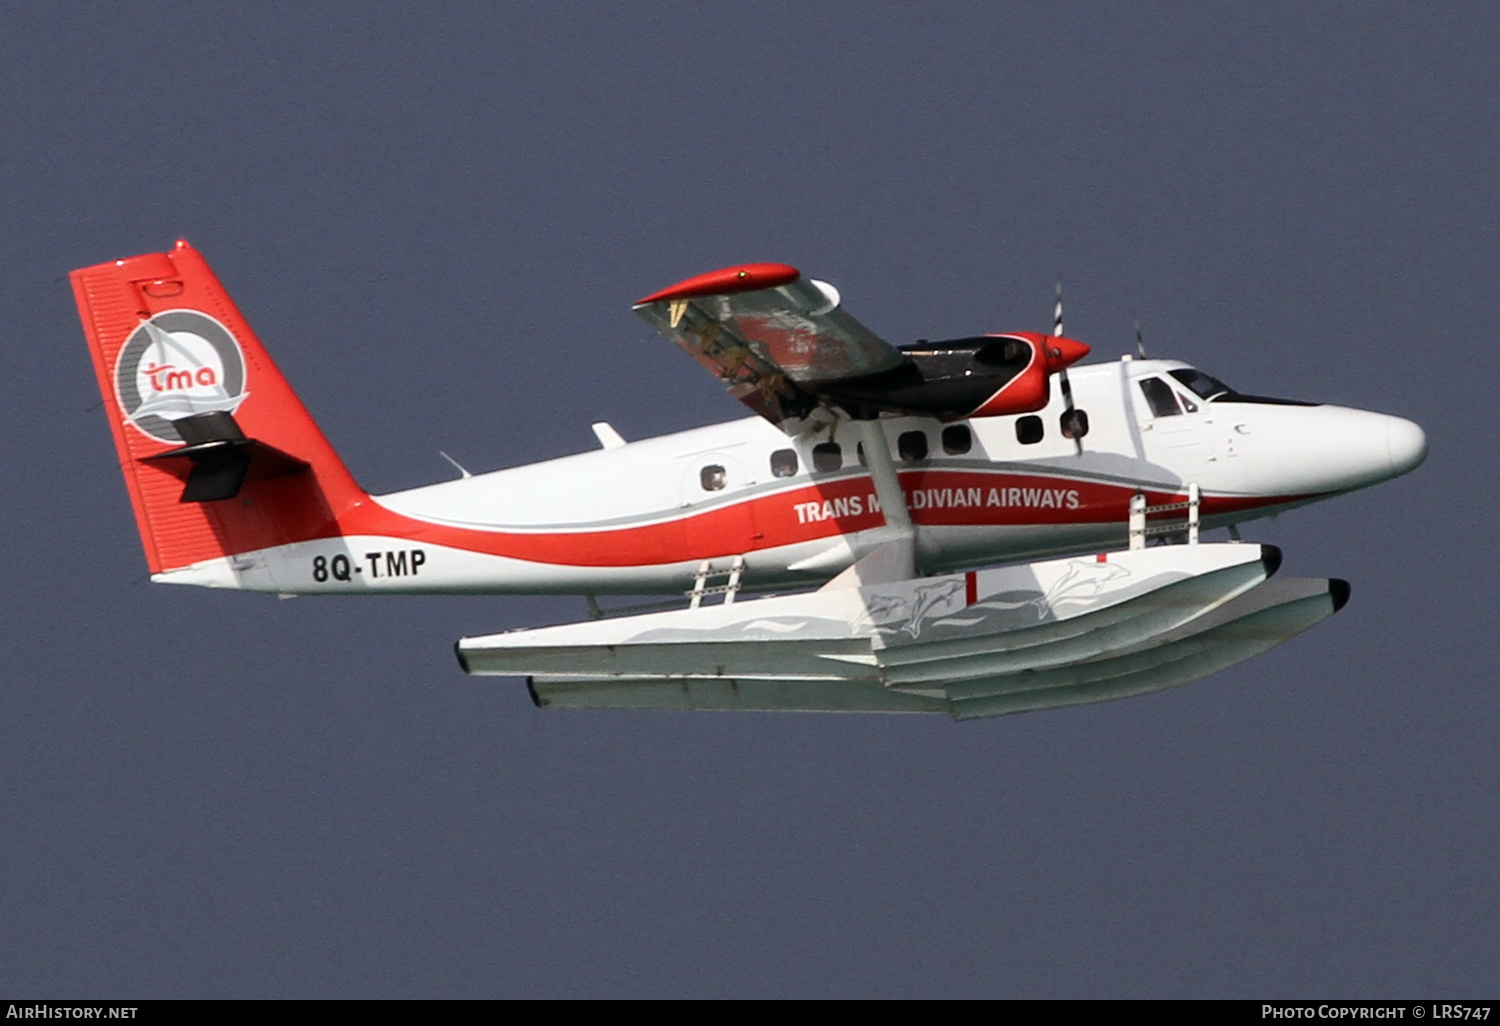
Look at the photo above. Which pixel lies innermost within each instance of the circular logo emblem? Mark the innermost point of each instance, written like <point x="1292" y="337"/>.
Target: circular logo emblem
<point x="178" y="363"/>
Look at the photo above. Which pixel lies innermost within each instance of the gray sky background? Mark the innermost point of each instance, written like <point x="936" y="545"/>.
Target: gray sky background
<point x="437" y="216"/>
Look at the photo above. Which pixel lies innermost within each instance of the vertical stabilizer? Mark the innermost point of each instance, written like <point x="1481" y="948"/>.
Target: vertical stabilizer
<point x="219" y="455"/>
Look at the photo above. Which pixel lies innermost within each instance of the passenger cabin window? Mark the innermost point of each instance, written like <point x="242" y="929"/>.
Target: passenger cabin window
<point x="1029" y="430"/>
<point x="1162" y="399"/>
<point x="712" y="477"/>
<point x="912" y="445"/>
<point x="957" y="439"/>
<point x="827" y="456"/>
<point x="784" y="463"/>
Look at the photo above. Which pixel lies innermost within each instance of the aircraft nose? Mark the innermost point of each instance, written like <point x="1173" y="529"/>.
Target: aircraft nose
<point x="1311" y="450"/>
<point x="1406" y="443"/>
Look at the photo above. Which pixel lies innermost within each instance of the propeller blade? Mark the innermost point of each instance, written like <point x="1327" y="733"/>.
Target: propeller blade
<point x="1075" y="422"/>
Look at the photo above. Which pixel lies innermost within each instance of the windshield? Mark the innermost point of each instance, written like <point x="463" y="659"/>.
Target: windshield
<point x="1210" y="388"/>
<point x="1205" y="385"/>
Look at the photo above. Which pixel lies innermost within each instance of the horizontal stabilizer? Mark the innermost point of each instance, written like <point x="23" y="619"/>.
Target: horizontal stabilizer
<point x="217" y="458"/>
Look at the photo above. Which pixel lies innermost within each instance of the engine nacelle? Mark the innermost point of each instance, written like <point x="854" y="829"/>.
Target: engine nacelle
<point x="982" y="376"/>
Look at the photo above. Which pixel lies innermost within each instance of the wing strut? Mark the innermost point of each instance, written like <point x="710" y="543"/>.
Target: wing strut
<point x="898" y="521"/>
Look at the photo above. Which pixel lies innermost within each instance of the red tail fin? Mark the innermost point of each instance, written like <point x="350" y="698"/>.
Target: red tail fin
<point x="219" y="455"/>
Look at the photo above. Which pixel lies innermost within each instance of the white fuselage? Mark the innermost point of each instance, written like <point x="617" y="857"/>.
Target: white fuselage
<point x="644" y="516"/>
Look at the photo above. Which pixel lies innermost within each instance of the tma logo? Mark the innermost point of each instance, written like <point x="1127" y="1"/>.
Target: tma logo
<point x="178" y="363"/>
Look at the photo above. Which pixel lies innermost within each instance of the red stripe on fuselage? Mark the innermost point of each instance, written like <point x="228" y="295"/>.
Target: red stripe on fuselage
<point x="826" y="510"/>
<point x="949" y="498"/>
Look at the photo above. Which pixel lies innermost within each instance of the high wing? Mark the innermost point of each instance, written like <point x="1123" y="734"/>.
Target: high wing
<point x="785" y="346"/>
<point x="777" y="339"/>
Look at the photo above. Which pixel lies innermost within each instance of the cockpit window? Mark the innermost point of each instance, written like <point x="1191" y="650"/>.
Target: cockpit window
<point x="1206" y="386"/>
<point x="1214" y="390"/>
<point x="1162" y="399"/>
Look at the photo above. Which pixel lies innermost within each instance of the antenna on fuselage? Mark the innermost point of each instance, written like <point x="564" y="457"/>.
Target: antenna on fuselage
<point x="1075" y="422"/>
<point x="1140" y="343"/>
<point x="456" y="465"/>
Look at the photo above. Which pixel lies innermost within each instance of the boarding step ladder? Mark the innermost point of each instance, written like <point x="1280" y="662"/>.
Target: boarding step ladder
<point x="1140" y="530"/>
<point x="701" y="587"/>
<point x="707" y="573"/>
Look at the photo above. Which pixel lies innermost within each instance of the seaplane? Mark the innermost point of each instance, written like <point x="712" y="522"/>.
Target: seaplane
<point x="975" y="526"/>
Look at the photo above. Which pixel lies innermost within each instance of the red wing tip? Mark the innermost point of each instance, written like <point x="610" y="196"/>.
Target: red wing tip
<point x="727" y="280"/>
